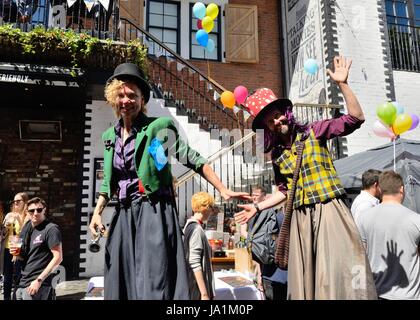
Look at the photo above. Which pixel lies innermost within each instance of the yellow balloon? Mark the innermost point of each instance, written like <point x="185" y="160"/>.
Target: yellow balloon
<point x="207" y="24"/>
<point x="402" y="123"/>
<point x="228" y="99"/>
<point x="212" y="11"/>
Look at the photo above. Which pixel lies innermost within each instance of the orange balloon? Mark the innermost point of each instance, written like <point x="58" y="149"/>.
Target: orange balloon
<point x="228" y="99"/>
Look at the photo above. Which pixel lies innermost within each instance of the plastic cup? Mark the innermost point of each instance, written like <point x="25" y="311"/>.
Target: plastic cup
<point x="15" y="243"/>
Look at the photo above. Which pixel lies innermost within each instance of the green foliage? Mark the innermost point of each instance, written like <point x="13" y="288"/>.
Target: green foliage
<point x="76" y="49"/>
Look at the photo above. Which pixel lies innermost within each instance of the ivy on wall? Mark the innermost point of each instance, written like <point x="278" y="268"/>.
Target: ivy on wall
<point x="68" y="47"/>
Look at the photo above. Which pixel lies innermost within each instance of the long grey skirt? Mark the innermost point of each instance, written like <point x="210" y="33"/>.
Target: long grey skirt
<point x="144" y="256"/>
<point x="327" y="259"/>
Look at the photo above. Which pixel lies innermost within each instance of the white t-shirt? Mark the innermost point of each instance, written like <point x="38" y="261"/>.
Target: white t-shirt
<point x="391" y="233"/>
<point x="363" y="202"/>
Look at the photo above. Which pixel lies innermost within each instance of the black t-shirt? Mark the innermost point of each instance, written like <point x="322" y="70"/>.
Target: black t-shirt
<point x="44" y="237"/>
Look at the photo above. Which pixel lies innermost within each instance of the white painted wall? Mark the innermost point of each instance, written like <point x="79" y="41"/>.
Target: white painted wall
<point x="102" y="118"/>
<point x="407" y="93"/>
<point x="303" y="40"/>
<point x="359" y="37"/>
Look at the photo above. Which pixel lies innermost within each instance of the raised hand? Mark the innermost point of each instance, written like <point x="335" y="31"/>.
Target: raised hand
<point x="341" y="69"/>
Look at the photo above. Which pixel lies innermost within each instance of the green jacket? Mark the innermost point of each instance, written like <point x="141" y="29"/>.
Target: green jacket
<point x="164" y="129"/>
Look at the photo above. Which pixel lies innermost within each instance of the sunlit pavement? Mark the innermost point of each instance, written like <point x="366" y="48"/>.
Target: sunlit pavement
<point x="69" y="290"/>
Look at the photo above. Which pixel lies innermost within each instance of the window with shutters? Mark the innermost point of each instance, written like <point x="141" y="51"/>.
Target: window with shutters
<point x="163" y="22"/>
<point x="196" y="50"/>
<point x="241" y="26"/>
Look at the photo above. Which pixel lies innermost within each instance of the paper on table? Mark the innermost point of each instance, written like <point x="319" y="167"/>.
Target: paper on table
<point x="236" y="281"/>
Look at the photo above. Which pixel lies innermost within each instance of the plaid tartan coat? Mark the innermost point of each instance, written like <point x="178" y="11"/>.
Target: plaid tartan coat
<point x="318" y="180"/>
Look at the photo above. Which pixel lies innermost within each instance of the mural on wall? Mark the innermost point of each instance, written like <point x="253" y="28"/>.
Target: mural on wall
<point x="303" y="42"/>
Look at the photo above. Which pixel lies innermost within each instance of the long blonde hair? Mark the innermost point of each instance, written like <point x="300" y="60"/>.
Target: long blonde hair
<point x="111" y="95"/>
<point x="25" y="199"/>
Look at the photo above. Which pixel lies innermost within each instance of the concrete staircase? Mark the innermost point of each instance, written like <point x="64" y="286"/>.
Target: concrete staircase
<point x="230" y="166"/>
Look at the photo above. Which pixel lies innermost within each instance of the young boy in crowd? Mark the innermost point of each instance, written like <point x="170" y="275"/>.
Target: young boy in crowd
<point x="197" y="249"/>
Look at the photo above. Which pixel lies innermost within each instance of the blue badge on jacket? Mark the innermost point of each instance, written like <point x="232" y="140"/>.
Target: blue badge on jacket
<point x="158" y="154"/>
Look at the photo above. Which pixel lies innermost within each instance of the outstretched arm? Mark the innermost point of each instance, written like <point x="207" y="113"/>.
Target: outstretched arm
<point x="227" y="194"/>
<point x="341" y="72"/>
<point x="249" y="210"/>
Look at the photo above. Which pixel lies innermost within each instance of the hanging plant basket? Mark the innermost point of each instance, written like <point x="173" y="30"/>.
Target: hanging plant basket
<point x="67" y="48"/>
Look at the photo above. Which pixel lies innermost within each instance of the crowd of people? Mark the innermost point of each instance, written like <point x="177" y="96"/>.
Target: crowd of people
<point x="321" y="243"/>
<point x="30" y="250"/>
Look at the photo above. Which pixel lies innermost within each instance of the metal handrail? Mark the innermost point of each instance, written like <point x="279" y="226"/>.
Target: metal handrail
<point x="188" y="175"/>
<point x="200" y="94"/>
<point x="317" y="105"/>
<point x="211" y="159"/>
<point x="236" y="122"/>
<point x="173" y="53"/>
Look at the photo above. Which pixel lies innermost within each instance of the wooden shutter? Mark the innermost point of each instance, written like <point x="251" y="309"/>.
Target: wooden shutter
<point x="241" y="33"/>
<point x="133" y="10"/>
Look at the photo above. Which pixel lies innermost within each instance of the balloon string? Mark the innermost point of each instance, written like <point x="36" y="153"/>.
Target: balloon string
<point x="395" y="169"/>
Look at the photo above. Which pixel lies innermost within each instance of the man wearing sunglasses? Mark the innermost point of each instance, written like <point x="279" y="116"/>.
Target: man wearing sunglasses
<point x="41" y="253"/>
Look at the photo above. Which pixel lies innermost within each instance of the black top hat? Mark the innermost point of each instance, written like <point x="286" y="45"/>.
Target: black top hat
<point x="130" y="71"/>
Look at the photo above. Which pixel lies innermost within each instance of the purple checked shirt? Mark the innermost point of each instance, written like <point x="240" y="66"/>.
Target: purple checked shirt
<point x="124" y="169"/>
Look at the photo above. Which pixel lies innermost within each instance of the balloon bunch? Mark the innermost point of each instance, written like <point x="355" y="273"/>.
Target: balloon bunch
<point x="205" y="24"/>
<point x="239" y="95"/>
<point x="393" y="121"/>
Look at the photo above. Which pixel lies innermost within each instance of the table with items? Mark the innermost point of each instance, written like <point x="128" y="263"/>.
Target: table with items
<point x="233" y="285"/>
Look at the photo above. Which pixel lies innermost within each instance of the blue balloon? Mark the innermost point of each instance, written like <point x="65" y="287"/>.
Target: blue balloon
<point x="311" y="66"/>
<point x="400" y="108"/>
<point x="199" y="10"/>
<point x="210" y="45"/>
<point x="202" y="37"/>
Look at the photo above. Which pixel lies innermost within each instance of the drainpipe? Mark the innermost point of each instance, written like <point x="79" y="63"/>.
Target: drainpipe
<point x="281" y="53"/>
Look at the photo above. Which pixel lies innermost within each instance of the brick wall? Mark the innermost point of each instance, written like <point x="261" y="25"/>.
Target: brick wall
<point x="266" y="73"/>
<point x="49" y="170"/>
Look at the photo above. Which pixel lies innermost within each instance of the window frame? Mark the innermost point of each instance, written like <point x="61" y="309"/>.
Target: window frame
<point x="178" y="27"/>
<point x="219" y="35"/>
<point x="412" y="20"/>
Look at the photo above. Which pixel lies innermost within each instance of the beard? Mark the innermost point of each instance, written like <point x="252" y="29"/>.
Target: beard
<point x="282" y="130"/>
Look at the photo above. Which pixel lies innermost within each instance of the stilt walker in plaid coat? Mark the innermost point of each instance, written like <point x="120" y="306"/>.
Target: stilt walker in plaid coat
<point x="326" y="258"/>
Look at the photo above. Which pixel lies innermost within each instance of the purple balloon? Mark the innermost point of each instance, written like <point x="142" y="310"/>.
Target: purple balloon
<point x="415" y="123"/>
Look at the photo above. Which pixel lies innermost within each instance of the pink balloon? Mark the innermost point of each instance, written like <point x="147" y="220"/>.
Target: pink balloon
<point x="382" y="130"/>
<point x="199" y="25"/>
<point x="240" y="93"/>
<point x="415" y="119"/>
